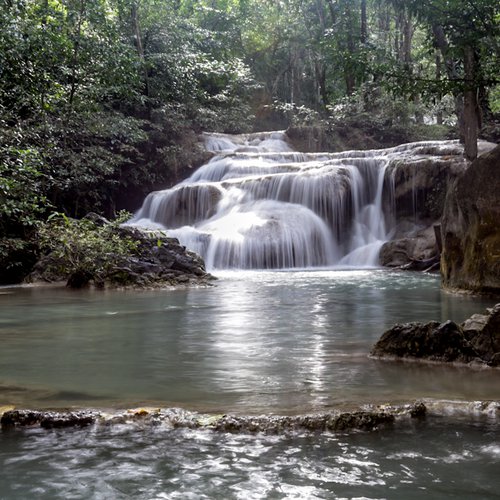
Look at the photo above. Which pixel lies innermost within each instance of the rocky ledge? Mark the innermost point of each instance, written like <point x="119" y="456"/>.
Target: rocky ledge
<point x="366" y="420"/>
<point x="161" y="260"/>
<point x="475" y="342"/>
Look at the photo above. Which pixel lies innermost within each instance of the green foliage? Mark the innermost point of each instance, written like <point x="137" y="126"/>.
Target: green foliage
<point x="390" y="108"/>
<point x="100" y="100"/>
<point x="495" y="99"/>
<point x="452" y="27"/>
<point x="297" y="116"/>
<point x="22" y="204"/>
<point x="84" y="250"/>
<point x="21" y="187"/>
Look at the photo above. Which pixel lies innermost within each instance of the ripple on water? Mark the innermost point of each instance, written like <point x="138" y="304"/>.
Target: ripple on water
<point x="123" y="461"/>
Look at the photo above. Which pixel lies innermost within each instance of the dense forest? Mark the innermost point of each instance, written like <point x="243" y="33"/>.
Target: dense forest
<point x="102" y="101"/>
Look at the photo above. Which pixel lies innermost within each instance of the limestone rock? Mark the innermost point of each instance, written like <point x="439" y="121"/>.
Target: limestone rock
<point x="418" y="245"/>
<point x="476" y="341"/>
<point x="483" y="332"/>
<point x="366" y="420"/>
<point x="414" y="197"/>
<point x="162" y="259"/>
<point x="471" y="228"/>
<point x="420" y="184"/>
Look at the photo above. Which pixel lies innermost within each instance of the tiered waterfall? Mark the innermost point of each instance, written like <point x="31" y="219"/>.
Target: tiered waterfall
<point x="258" y="205"/>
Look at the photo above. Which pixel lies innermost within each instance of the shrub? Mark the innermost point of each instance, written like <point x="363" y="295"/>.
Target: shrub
<point x="84" y="250"/>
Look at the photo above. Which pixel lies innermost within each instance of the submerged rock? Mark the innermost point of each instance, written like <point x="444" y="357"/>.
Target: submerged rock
<point x="360" y="420"/>
<point x="471" y="229"/>
<point x="47" y="419"/>
<point x="476" y="341"/>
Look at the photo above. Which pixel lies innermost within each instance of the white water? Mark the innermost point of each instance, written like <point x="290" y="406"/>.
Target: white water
<point x="259" y="205"/>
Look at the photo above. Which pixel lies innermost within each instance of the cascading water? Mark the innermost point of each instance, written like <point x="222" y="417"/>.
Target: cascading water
<point x="258" y="205"/>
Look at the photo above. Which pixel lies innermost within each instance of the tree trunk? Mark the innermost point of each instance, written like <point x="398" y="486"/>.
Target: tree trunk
<point x="404" y="37"/>
<point x="350" y="77"/>
<point x="333" y="12"/>
<point x="451" y="71"/>
<point x="364" y="23"/>
<point x="407" y="38"/>
<point x="76" y="54"/>
<point x="134" y="15"/>
<point x="439" y="112"/>
<point x="471" y="107"/>
<point x="320" y="71"/>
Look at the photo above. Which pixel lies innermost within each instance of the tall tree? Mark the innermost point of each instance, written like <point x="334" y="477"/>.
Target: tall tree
<point x="467" y="33"/>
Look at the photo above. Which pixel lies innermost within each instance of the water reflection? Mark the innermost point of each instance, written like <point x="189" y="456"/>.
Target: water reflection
<point x="255" y="342"/>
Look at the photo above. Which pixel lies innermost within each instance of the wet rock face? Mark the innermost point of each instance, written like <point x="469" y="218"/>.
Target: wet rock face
<point x="416" y="245"/>
<point x="420" y="185"/>
<point x="476" y="341"/>
<point x="414" y="197"/>
<point x="471" y="229"/>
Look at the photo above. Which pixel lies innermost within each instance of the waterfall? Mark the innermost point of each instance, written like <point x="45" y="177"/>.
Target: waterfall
<point x="258" y="204"/>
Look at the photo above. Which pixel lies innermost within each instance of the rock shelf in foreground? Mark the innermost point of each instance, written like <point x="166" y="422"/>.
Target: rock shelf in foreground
<point x="475" y="342"/>
<point x="367" y="418"/>
<point x="177" y="418"/>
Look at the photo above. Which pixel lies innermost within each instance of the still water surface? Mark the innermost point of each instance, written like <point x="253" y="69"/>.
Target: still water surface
<point x="280" y="342"/>
<point x="274" y="342"/>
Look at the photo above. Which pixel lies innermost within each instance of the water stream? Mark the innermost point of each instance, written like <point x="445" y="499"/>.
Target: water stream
<point x="255" y="342"/>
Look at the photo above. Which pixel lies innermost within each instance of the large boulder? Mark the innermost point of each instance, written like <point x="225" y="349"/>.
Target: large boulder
<point x="475" y="341"/>
<point x="471" y="228"/>
<point x="160" y="260"/>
